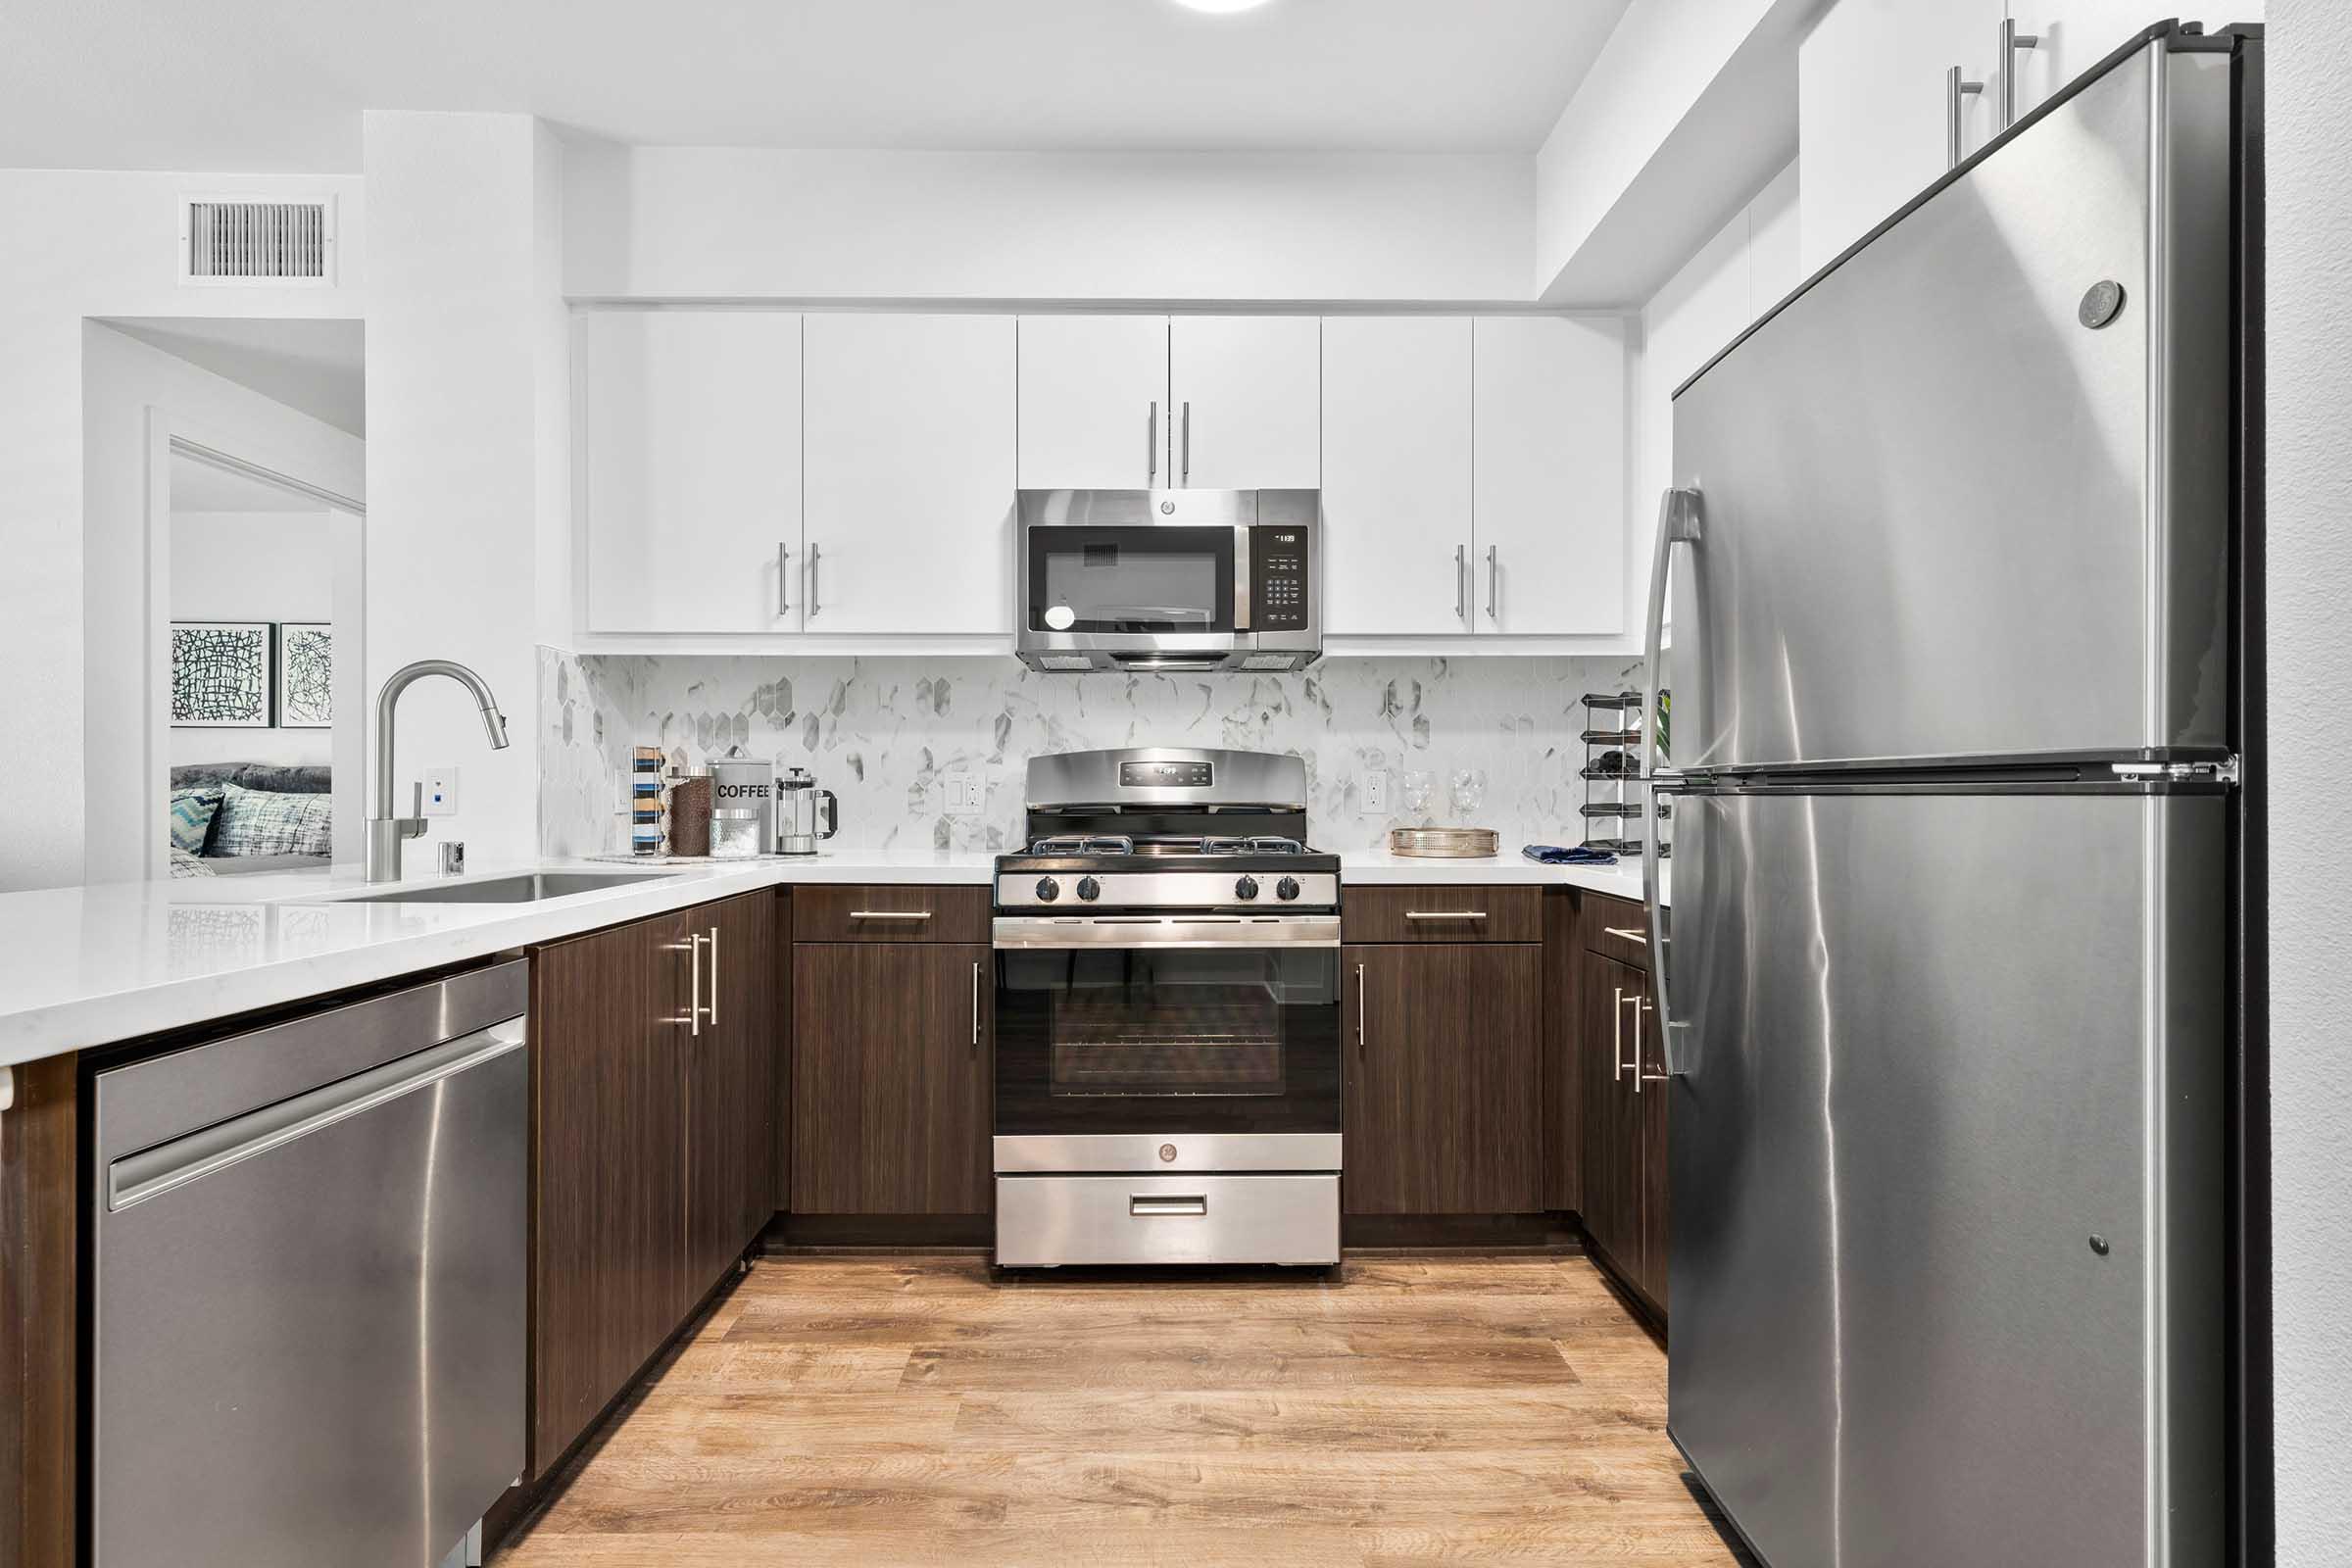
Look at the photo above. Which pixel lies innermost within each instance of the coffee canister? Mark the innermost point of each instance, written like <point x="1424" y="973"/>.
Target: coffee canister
<point x="743" y="806"/>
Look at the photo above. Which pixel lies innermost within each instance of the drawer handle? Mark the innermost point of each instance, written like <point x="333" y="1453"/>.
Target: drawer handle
<point x="1641" y="937"/>
<point x="890" y="914"/>
<point x="1445" y="914"/>
<point x="1142" y="1207"/>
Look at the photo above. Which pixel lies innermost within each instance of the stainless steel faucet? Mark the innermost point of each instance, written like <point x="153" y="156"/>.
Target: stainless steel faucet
<point x="386" y="832"/>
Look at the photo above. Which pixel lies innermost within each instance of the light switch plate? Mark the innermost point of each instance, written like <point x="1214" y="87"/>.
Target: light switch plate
<point x="440" y="792"/>
<point x="962" y="793"/>
<point x="1375" y="795"/>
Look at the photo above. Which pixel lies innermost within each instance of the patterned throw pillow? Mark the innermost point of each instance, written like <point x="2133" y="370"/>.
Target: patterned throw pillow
<point x="263" y="822"/>
<point x="184" y="864"/>
<point x="192" y="816"/>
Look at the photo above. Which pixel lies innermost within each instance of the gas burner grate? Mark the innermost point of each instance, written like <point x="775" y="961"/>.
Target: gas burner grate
<point x="1084" y="844"/>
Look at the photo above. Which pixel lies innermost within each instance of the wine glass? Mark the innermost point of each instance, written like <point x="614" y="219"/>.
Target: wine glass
<point x="1469" y="789"/>
<point x="1417" y="786"/>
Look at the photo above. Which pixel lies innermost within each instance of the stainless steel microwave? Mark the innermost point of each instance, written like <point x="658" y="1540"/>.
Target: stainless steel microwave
<point x="1169" y="579"/>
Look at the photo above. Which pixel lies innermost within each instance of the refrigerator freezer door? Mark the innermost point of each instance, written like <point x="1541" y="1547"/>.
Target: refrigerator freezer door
<point x="1945" y="1174"/>
<point x="1944" y="516"/>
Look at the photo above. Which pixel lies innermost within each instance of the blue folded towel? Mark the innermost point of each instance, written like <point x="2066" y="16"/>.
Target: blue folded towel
<point x="1579" y="855"/>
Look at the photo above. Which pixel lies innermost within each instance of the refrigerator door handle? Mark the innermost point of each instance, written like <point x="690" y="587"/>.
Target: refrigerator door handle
<point x="1680" y="516"/>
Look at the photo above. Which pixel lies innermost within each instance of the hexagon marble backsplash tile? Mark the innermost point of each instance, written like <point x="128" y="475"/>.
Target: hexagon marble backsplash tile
<point x="882" y="733"/>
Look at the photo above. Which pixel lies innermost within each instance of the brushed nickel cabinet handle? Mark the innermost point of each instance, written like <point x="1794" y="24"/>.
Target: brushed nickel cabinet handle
<point x="1625" y="932"/>
<point x="1617" y="1036"/>
<point x="1461" y="566"/>
<point x="713" y="978"/>
<point x="975" y="1001"/>
<point x="2012" y="43"/>
<point x="1955" y="89"/>
<point x="890" y="914"/>
<point x="693" y="963"/>
<point x="1494" y="577"/>
<point x="1359" y="1006"/>
<point x="1445" y="914"/>
<point x="813" y="556"/>
<point x="783" y="577"/>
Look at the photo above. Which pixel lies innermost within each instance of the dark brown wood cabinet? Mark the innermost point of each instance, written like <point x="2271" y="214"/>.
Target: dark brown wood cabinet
<point x="1622" y="1117"/>
<point x="1439" y="912"/>
<point x="892" y="1087"/>
<point x="651" y="1051"/>
<point x="1443" y="1057"/>
<point x="729" y="1089"/>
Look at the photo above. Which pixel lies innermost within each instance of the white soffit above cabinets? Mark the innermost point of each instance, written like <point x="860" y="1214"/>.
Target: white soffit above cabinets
<point x="263" y="86"/>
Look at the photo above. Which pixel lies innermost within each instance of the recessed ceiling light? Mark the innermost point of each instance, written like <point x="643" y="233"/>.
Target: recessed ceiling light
<point x="1220" y="8"/>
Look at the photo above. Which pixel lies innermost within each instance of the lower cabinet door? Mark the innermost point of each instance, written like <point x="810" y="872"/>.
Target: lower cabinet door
<point x="1443" y="1064"/>
<point x="1655" y="1213"/>
<point x="607" y="1168"/>
<point x="729" y="1085"/>
<point x="1611" y="1111"/>
<point x="891" y="1089"/>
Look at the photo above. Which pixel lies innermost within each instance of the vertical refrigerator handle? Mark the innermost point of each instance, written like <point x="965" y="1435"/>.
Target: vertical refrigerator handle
<point x="1680" y="516"/>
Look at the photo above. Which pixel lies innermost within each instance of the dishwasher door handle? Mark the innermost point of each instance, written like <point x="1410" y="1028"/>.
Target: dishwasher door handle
<point x="153" y="1172"/>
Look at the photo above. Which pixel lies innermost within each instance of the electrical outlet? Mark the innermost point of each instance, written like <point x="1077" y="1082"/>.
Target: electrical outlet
<point x="1375" y="795"/>
<point x="962" y="791"/>
<point x="440" y="792"/>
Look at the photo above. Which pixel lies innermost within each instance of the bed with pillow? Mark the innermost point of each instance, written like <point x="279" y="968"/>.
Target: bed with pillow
<point x="238" y="818"/>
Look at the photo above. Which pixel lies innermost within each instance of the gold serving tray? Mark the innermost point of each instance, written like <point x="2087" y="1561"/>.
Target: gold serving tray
<point x="1445" y="843"/>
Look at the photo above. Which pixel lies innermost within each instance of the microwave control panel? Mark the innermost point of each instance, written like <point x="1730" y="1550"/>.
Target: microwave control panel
<point x="1279" y="589"/>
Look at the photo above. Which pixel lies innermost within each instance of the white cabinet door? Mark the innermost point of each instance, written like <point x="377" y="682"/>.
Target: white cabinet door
<point x="1871" y="104"/>
<point x="2072" y="35"/>
<point x="1396" y="475"/>
<point x="1248" y="400"/>
<point x="1550" y="438"/>
<point x="909" y="433"/>
<point x="1094" y="402"/>
<point x="691" y="426"/>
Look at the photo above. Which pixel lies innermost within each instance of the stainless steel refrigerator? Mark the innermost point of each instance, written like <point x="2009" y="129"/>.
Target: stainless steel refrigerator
<point x="1955" y="784"/>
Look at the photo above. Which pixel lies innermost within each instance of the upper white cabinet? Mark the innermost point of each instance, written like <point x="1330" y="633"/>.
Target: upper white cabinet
<point x="1549" y="406"/>
<point x="1874" y="106"/>
<point x="1094" y="403"/>
<point x="1246" y="395"/>
<point x="1396" y="475"/>
<point x="690" y="423"/>
<point x="910" y="473"/>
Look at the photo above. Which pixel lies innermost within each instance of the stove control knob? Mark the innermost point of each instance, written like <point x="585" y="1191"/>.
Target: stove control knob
<point x="1287" y="888"/>
<point x="1088" y="889"/>
<point x="1246" y="888"/>
<point x="1047" y="890"/>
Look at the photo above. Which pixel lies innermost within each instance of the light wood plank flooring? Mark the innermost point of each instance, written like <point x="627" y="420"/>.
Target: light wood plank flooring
<point x="861" y="1410"/>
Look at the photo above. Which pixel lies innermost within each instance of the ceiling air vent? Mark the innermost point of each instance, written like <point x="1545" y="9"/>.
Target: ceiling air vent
<point x="227" y="239"/>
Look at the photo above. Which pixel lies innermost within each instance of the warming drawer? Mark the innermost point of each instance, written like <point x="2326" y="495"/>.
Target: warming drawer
<point x="1043" y="1221"/>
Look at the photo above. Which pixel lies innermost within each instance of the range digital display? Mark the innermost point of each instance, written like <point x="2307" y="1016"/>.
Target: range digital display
<point x="1166" y="775"/>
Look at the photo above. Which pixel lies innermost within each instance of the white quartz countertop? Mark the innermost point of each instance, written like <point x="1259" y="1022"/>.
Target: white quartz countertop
<point x="88" y="966"/>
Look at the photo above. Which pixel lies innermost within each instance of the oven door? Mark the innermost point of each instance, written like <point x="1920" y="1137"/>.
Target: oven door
<point x="1167" y="1042"/>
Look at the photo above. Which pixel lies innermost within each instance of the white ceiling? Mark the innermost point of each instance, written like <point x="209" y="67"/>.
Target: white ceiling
<point x="199" y="486"/>
<point x="278" y="85"/>
<point x="318" y="366"/>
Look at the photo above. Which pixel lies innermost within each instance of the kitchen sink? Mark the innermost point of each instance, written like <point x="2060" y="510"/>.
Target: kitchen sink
<point x="524" y="888"/>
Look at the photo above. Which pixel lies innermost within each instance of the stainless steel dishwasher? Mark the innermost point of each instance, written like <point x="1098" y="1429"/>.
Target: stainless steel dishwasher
<point x="309" y="1285"/>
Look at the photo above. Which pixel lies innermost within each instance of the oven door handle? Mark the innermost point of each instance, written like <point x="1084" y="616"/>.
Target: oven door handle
<point x="1167" y="931"/>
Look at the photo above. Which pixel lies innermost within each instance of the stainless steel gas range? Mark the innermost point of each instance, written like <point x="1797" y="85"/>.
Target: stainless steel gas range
<point x="1167" y="955"/>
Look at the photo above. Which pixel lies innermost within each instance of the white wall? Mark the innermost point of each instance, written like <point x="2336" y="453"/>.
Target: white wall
<point x="1742" y="272"/>
<point x="463" y="316"/>
<point x="252" y="565"/>
<point x="1691" y="105"/>
<point x="2310" y="582"/>
<point x="79" y="244"/>
<point x="129" y="393"/>
<point x="732" y="221"/>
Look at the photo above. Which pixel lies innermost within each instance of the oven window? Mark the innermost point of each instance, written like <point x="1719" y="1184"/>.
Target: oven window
<point x="1164" y="1038"/>
<point x="1131" y="579"/>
